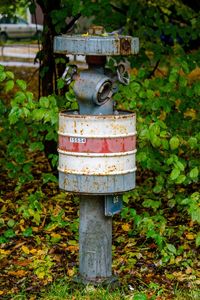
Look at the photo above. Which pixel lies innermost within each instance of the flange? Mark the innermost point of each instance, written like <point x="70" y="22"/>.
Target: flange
<point x="98" y="45"/>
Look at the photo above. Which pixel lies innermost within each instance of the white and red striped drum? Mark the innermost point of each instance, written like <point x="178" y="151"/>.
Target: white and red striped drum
<point x="97" y="152"/>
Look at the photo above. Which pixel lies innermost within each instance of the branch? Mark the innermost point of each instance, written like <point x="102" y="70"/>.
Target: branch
<point x="154" y="69"/>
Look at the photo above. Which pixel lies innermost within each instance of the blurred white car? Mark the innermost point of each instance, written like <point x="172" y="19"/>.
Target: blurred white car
<point x="14" y="27"/>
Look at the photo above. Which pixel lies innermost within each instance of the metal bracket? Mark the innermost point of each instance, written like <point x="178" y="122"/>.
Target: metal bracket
<point x="122" y="74"/>
<point x="113" y="205"/>
<point x="68" y="74"/>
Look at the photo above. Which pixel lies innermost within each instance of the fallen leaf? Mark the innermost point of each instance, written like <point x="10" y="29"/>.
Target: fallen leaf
<point x="70" y="272"/>
<point x="126" y="227"/>
<point x="4" y="252"/>
<point x="25" y="250"/>
<point x="190" y="112"/>
<point x="190" y="236"/>
<point x="19" y="273"/>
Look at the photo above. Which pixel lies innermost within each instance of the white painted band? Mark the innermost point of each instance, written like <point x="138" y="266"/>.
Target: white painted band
<point x="96" y="165"/>
<point x="97" y="126"/>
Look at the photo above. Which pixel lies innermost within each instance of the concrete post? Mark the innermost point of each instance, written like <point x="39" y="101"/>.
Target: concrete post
<point x="95" y="241"/>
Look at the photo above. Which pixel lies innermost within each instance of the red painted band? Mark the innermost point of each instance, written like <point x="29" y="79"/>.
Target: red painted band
<point x="97" y="145"/>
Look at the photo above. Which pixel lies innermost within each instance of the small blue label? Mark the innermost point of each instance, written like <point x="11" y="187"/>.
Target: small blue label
<point x="113" y="205"/>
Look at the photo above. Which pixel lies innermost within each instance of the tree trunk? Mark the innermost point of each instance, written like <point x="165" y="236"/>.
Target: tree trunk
<point x="47" y="70"/>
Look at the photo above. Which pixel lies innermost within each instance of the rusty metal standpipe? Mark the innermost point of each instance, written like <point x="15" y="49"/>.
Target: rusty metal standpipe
<point x="97" y="146"/>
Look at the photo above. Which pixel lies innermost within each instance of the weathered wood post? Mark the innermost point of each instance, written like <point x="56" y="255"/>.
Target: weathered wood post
<point x="97" y="145"/>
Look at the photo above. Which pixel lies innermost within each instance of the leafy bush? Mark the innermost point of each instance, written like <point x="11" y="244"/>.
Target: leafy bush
<point x="164" y="91"/>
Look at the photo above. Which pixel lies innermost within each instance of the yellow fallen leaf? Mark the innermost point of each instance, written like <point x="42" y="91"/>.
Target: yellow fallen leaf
<point x="126" y="227"/>
<point x="35" y="229"/>
<point x="41" y="252"/>
<point x="1" y="292"/>
<point x="190" y="112"/>
<point x="70" y="272"/>
<point x="41" y="274"/>
<point x="190" y="236"/>
<point x="73" y="248"/>
<point x="162" y="116"/>
<point x="195" y="74"/>
<point x="32" y="251"/>
<point x="25" y="250"/>
<point x="4" y="252"/>
<point x="56" y="235"/>
<point x="189" y="270"/>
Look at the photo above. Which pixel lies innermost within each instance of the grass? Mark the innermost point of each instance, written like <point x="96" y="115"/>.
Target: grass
<point x="63" y="289"/>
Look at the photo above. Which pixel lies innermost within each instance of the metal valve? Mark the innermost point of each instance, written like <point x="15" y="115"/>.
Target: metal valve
<point x="68" y="74"/>
<point x="122" y="74"/>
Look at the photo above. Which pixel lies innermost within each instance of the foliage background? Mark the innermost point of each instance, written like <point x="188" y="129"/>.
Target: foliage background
<point x="158" y="230"/>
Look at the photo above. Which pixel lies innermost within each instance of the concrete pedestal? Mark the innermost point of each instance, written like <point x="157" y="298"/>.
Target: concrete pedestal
<point x="95" y="241"/>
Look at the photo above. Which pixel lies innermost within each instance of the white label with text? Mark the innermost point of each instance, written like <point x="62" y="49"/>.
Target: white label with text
<point x="78" y="140"/>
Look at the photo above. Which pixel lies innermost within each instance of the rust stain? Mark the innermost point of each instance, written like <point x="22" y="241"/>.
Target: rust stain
<point x="125" y="46"/>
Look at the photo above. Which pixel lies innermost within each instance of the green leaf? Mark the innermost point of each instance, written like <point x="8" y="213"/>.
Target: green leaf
<point x="180" y="166"/>
<point x="27" y="232"/>
<point x="194" y="173"/>
<point x="151" y="203"/>
<point x="36" y="146"/>
<point x="9" y="85"/>
<point x="180" y="179"/>
<point x="2" y="239"/>
<point x="21" y="84"/>
<point x="49" y="177"/>
<point x="60" y="83"/>
<point x="193" y="142"/>
<point x="174" y="143"/>
<point x="10" y="75"/>
<point x="157" y="189"/>
<point x="44" y="102"/>
<point x="150" y="94"/>
<point x="198" y="239"/>
<point x="175" y="174"/>
<point x="9" y="233"/>
<point x="2" y="76"/>
<point x="140" y="296"/>
<point x="182" y="81"/>
<point x="171" y="248"/>
<point x="11" y="223"/>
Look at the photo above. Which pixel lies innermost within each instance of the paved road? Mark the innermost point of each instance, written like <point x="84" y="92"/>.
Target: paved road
<point x="27" y="52"/>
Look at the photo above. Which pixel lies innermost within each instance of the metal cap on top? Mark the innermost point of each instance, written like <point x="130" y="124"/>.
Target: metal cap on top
<point x="96" y="42"/>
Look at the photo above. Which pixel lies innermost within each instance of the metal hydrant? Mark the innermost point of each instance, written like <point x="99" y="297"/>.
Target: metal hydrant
<point x="97" y="145"/>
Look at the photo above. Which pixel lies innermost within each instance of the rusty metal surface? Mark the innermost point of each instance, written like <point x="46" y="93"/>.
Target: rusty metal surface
<point x="96" y="45"/>
<point x="121" y="124"/>
<point x="97" y="152"/>
<point x="103" y="185"/>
